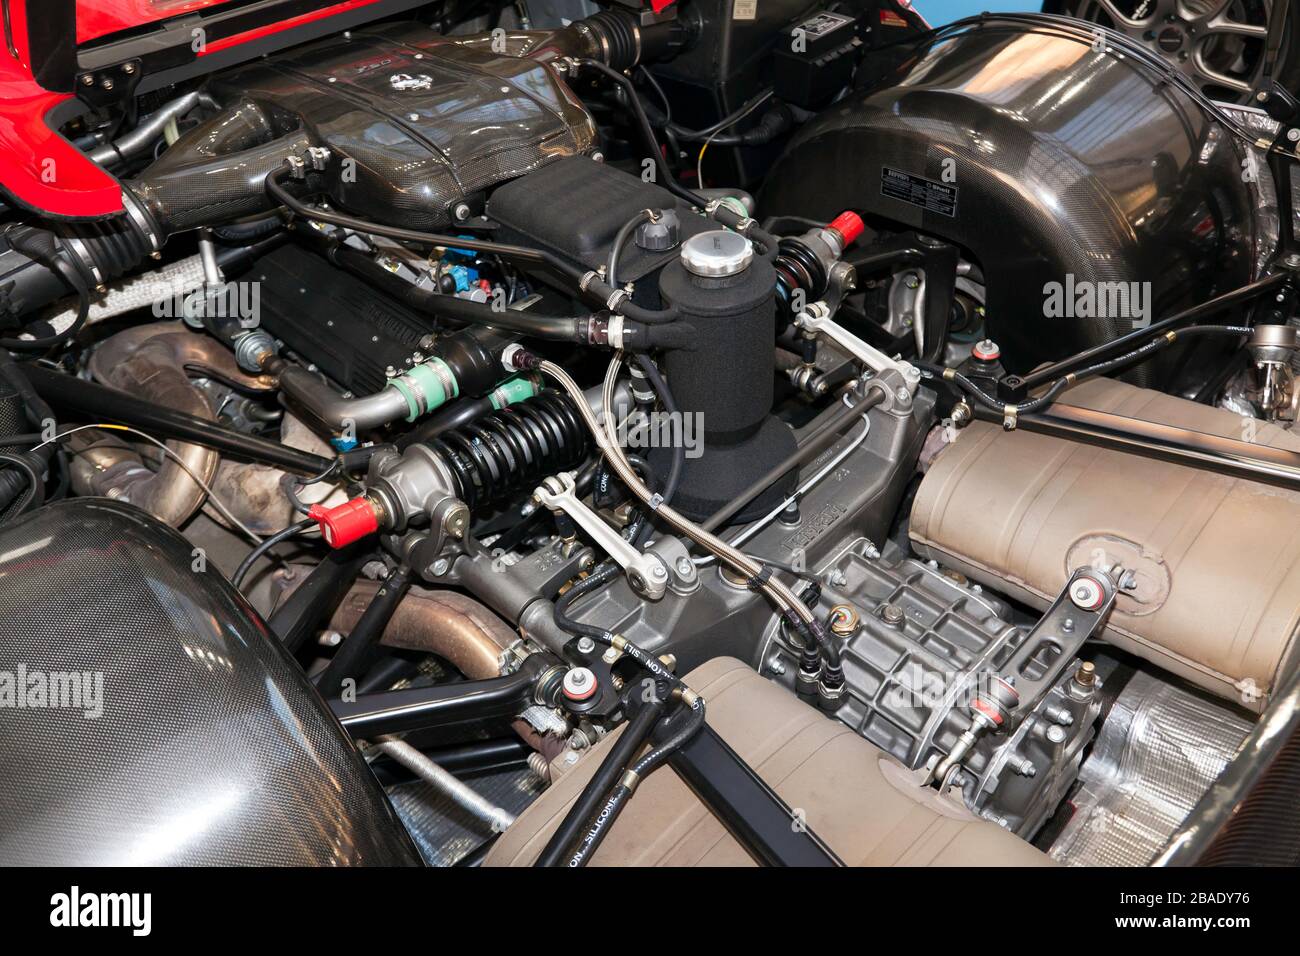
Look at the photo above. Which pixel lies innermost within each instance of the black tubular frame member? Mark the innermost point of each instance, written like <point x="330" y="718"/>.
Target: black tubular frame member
<point x="1139" y="336"/>
<point x="764" y="824"/>
<point x="447" y="705"/>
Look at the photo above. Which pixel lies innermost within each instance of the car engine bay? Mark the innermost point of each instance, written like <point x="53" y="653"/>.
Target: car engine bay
<point x="612" y="432"/>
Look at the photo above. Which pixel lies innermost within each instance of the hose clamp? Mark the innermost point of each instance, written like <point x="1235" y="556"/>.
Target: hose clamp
<point x="138" y="216"/>
<point x="616" y="298"/>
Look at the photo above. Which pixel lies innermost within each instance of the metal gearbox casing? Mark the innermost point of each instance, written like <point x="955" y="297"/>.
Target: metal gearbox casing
<point x="924" y="644"/>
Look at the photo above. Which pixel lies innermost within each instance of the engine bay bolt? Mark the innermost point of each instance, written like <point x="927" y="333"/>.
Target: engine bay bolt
<point x="579" y="684"/>
<point x="1086" y="675"/>
<point x="837" y="578"/>
<point x="128" y="68"/>
<point x="869" y="550"/>
<point x="330" y="638"/>
<point x="88" y="80"/>
<point x="1293" y="134"/>
<point x="892" y="614"/>
<point x="586" y="645"/>
<point x="777" y="666"/>
<point x="611" y="655"/>
<point x="685" y="567"/>
<point x="903" y="396"/>
<point x="441" y="567"/>
<point x="1056" y="734"/>
<point x="457" y="521"/>
<point x="461" y="212"/>
<point x="106" y="83"/>
<point x="912" y="281"/>
<point x="1059" y="715"/>
<point x="1022" y="765"/>
<point x="844" y="620"/>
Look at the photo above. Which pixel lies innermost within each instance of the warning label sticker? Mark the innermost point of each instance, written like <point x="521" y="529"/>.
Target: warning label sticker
<point x="926" y="193"/>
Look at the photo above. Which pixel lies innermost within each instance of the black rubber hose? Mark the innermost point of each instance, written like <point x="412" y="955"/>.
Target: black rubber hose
<point x="353" y="657"/>
<point x="43" y="248"/>
<point x="572" y="328"/>
<point x="99" y="403"/>
<point x="241" y="232"/>
<point x="556" y="851"/>
<point x="607" y="815"/>
<point x="620" y="240"/>
<point x="32" y="494"/>
<point x="572" y="274"/>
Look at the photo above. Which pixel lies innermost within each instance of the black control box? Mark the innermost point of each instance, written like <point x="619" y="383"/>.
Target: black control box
<point x="816" y="60"/>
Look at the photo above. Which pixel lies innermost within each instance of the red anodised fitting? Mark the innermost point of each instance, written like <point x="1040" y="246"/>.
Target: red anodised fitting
<point x="345" y="523"/>
<point x="849" y="225"/>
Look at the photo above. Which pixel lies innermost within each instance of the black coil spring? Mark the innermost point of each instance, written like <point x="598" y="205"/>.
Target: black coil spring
<point x="513" y="448"/>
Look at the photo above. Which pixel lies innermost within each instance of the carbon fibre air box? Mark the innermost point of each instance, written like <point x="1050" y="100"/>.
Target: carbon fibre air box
<point x="575" y="206"/>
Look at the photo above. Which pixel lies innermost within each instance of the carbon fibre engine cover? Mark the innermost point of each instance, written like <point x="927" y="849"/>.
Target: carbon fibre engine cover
<point x="147" y="715"/>
<point x="415" y="122"/>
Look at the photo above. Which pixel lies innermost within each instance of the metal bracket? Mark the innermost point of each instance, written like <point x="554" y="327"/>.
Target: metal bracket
<point x="646" y="573"/>
<point x="816" y="318"/>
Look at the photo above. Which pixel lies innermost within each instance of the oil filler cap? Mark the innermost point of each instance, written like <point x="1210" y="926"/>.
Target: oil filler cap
<point x="717" y="254"/>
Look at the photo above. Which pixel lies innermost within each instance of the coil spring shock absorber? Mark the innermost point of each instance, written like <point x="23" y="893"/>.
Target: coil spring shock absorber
<point x="462" y="469"/>
<point x="513" y="448"/>
<point x="803" y="263"/>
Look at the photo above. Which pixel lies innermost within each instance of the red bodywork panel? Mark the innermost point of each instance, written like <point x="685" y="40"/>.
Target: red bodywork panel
<point x="41" y="170"/>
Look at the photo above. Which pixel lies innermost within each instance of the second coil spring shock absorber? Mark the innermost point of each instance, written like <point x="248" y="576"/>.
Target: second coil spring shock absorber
<point x="461" y="470"/>
<point x="513" y="448"/>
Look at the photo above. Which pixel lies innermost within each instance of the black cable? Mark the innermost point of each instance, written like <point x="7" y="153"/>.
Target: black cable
<point x="647" y="133"/>
<point x="284" y="534"/>
<point x="699" y="135"/>
<point x="659" y="91"/>
<point x="620" y="239"/>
